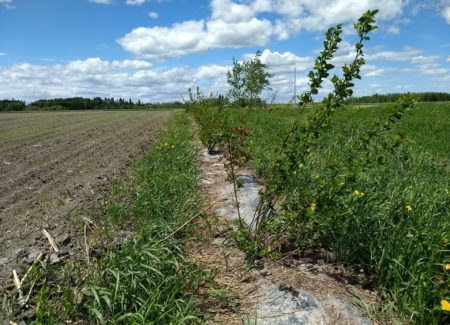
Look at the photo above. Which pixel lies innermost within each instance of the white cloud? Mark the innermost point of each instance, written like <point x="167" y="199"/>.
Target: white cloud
<point x="139" y="79"/>
<point x="427" y="65"/>
<point x="161" y="42"/>
<point x="446" y="14"/>
<point x="231" y="12"/>
<point x="2" y="53"/>
<point x="369" y="70"/>
<point x="281" y="65"/>
<point x="133" y="64"/>
<point x="95" y="77"/>
<point x="421" y="59"/>
<point x="441" y="6"/>
<point x="195" y="36"/>
<point x="223" y="34"/>
<point x="7" y="3"/>
<point x="210" y="72"/>
<point x="135" y="2"/>
<point x="318" y="15"/>
<point x="234" y="24"/>
<point x="404" y="55"/>
<point x="153" y="15"/>
<point x="393" y="30"/>
<point x="103" y="2"/>
<point x="448" y="58"/>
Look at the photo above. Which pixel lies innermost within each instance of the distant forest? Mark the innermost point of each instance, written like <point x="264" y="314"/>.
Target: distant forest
<point x="388" y="98"/>
<point x="80" y="103"/>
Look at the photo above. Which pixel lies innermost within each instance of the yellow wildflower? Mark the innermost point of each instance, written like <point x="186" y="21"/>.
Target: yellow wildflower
<point x="445" y="240"/>
<point x="408" y="208"/>
<point x="294" y="172"/>
<point x="358" y="193"/>
<point x="447" y="267"/>
<point x="445" y="305"/>
<point x="313" y="207"/>
<point x="301" y="166"/>
<point x="317" y="176"/>
<point x="173" y="146"/>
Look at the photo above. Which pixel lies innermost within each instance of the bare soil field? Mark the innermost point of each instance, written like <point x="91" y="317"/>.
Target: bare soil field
<point x="54" y="164"/>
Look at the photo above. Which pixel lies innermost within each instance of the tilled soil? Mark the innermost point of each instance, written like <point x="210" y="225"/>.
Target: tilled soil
<point x="55" y="164"/>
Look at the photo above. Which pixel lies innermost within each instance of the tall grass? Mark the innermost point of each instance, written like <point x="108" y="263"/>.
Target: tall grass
<point x="143" y="278"/>
<point x="388" y="215"/>
<point x="148" y="280"/>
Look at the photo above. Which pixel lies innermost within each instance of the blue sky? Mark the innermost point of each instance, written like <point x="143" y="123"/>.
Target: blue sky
<point x="154" y="50"/>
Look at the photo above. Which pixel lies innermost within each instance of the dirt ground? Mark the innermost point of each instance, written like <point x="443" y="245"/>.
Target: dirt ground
<point x="54" y="164"/>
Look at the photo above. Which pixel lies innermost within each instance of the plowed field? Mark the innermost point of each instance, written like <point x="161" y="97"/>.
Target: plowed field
<point x="52" y="164"/>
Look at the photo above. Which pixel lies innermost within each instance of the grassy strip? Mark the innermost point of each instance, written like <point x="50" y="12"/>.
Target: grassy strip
<point x="388" y="217"/>
<point x="142" y="279"/>
<point x="393" y="221"/>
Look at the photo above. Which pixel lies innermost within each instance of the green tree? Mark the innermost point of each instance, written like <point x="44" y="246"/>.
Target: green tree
<point x="247" y="80"/>
<point x="257" y="77"/>
<point x="236" y="79"/>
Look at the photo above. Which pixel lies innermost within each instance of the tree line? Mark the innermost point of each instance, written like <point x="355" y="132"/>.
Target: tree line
<point x="392" y="97"/>
<point x="12" y="105"/>
<point x="80" y="103"/>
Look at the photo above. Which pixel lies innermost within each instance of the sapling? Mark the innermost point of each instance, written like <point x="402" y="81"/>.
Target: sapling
<point x="301" y="138"/>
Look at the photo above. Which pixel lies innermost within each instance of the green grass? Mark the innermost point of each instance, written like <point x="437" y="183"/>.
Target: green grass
<point x="403" y="252"/>
<point x="145" y="278"/>
<point x="153" y="283"/>
<point x="427" y="126"/>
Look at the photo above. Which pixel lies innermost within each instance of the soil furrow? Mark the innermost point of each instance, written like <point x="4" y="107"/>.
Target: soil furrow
<point x="46" y="177"/>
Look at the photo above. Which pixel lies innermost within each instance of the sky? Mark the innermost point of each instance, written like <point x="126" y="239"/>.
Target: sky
<point x="154" y="50"/>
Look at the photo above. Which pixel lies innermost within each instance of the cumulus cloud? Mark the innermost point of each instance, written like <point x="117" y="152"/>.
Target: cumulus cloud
<point x="427" y="65"/>
<point x="134" y="64"/>
<point x="103" y="2"/>
<point x="162" y="42"/>
<point x="135" y="2"/>
<point x="234" y="24"/>
<point x="7" y="3"/>
<point x="153" y="15"/>
<point x="2" y="53"/>
<point x="95" y="77"/>
<point x="446" y="14"/>
<point x="370" y="70"/>
<point x="138" y="79"/>
<point x="404" y="55"/>
<point x="441" y="6"/>
<point x="281" y="65"/>
<point x="393" y="30"/>
<point x="222" y="34"/>
<point x="195" y="36"/>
